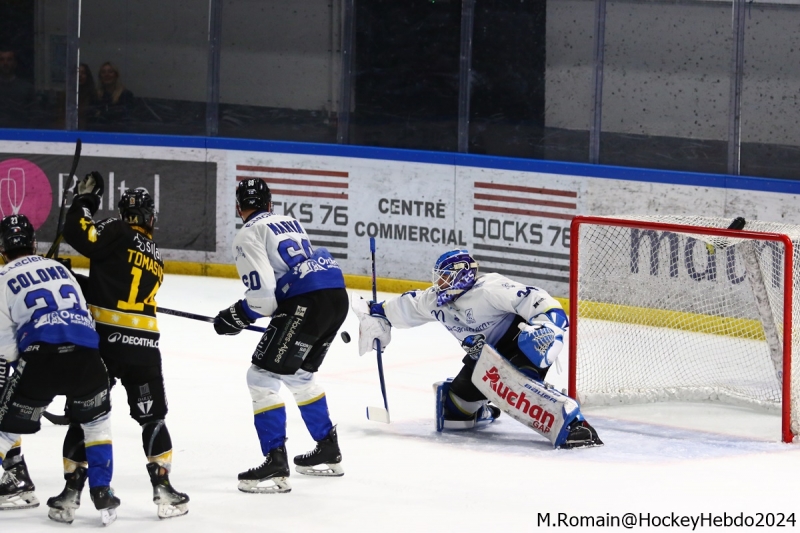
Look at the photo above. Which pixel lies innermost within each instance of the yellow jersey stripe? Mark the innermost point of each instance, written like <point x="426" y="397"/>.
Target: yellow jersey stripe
<point x="270" y="408"/>
<point x="112" y="317"/>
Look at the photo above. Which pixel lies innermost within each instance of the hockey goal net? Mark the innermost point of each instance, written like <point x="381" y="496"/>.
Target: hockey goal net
<point x="683" y="308"/>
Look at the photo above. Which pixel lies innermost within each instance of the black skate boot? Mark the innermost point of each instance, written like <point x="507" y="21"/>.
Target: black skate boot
<point x="325" y="455"/>
<point x="63" y="506"/>
<point x="581" y="435"/>
<point x="171" y="503"/>
<point x="105" y="502"/>
<point x="274" y="469"/>
<point x="16" y="488"/>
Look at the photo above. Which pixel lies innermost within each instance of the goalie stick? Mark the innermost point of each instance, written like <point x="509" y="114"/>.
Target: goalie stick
<point x="376" y="413"/>
<point x="53" y="251"/>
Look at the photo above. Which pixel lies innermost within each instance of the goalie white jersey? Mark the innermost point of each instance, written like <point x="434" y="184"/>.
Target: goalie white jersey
<point x="488" y="308"/>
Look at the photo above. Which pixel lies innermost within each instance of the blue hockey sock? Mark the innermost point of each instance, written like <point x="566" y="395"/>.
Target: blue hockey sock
<point x="271" y="428"/>
<point x="315" y="415"/>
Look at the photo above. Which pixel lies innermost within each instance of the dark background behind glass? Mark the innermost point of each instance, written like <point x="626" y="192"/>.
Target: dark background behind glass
<point x="293" y="71"/>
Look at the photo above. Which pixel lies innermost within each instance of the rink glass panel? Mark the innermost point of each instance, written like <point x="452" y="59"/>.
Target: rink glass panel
<point x="160" y="49"/>
<point x="771" y="91"/>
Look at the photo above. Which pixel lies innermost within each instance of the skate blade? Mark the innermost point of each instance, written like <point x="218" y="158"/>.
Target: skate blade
<point x="168" y="510"/>
<point x="329" y="470"/>
<point x="108" y="516"/>
<point x="278" y="485"/>
<point x="65" y="516"/>
<point x="587" y="444"/>
<point x="23" y="500"/>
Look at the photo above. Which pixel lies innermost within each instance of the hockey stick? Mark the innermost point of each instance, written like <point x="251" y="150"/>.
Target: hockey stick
<point x="53" y="251"/>
<point x="202" y="318"/>
<point x="376" y="413"/>
<point x="62" y="420"/>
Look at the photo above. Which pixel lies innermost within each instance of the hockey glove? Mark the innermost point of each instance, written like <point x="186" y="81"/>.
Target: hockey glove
<point x="373" y="324"/>
<point x="474" y="345"/>
<point x="232" y="320"/>
<point x="90" y="189"/>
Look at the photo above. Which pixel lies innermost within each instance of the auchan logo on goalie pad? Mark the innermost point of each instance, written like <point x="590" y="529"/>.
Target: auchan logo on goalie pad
<point x="542" y="420"/>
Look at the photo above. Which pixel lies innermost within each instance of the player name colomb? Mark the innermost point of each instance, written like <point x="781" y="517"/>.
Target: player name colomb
<point x="404" y="232"/>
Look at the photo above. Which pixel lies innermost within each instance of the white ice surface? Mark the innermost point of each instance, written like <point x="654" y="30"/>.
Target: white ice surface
<point x="658" y="459"/>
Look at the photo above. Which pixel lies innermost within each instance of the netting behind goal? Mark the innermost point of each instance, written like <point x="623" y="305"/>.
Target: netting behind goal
<point x="682" y="308"/>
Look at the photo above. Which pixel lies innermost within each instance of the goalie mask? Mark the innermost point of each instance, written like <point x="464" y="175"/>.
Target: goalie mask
<point x="16" y="233"/>
<point x="253" y="193"/>
<point x="453" y="274"/>
<point x="137" y="208"/>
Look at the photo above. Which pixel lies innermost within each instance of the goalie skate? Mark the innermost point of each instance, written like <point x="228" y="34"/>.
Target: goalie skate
<point x="63" y="506"/>
<point x="16" y="489"/>
<point x="170" y="502"/>
<point x="581" y="435"/>
<point x="274" y="471"/>
<point x="484" y="416"/>
<point x="324" y="460"/>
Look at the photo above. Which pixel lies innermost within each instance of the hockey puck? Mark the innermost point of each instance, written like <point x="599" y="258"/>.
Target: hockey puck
<point x="345" y="337"/>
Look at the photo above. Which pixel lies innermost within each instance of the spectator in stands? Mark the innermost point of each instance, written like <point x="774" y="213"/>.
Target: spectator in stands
<point x="114" y="101"/>
<point x="87" y="95"/>
<point x="16" y="94"/>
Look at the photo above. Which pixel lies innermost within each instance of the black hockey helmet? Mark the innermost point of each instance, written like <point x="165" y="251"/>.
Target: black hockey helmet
<point x="253" y="193"/>
<point x="16" y="233"/>
<point x="137" y="208"/>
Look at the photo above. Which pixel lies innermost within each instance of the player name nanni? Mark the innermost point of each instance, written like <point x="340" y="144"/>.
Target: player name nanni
<point x="701" y="261"/>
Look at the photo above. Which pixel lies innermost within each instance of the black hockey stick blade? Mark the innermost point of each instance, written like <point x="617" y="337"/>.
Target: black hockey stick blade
<point x="202" y="318"/>
<point x="53" y="251"/>
<point x="58" y="420"/>
<point x="737" y="224"/>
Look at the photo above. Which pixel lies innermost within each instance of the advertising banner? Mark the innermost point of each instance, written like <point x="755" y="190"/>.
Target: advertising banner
<point x="184" y="193"/>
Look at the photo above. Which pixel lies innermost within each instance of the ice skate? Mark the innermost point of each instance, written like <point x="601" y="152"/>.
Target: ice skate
<point x="274" y="470"/>
<point x="324" y="460"/>
<point x="16" y="488"/>
<point x="447" y="419"/>
<point x="171" y="503"/>
<point x="581" y="435"/>
<point x="63" y="506"/>
<point x="105" y="502"/>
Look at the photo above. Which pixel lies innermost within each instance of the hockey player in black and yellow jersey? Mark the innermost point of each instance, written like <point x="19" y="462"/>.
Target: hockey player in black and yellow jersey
<point x="125" y="273"/>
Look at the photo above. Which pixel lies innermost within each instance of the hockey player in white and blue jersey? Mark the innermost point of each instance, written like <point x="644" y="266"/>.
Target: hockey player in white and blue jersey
<point x="302" y="289"/>
<point x="47" y="335"/>
<point x="512" y="334"/>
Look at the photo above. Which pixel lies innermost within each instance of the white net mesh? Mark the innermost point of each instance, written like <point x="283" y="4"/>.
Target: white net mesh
<point x="682" y="315"/>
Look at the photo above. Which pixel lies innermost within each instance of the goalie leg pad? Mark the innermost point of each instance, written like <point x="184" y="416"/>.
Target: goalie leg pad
<point x="543" y="409"/>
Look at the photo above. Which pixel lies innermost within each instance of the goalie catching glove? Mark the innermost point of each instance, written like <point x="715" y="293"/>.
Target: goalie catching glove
<point x="232" y="320"/>
<point x="372" y="324"/>
<point x="543" y="339"/>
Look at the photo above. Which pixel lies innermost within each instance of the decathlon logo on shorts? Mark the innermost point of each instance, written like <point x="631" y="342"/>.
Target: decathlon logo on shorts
<point x="133" y="341"/>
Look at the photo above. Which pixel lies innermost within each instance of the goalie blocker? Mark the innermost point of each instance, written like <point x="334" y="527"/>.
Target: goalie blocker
<point x="553" y="415"/>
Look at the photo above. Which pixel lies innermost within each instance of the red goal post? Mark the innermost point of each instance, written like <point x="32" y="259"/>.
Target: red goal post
<point x="666" y="308"/>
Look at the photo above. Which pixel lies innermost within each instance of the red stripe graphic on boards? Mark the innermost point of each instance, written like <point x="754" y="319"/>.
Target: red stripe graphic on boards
<point x="298" y="180"/>
<point x="537" y="196"/>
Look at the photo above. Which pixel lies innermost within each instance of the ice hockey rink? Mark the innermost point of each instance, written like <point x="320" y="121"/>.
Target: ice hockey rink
<point x="664" y="462"/>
